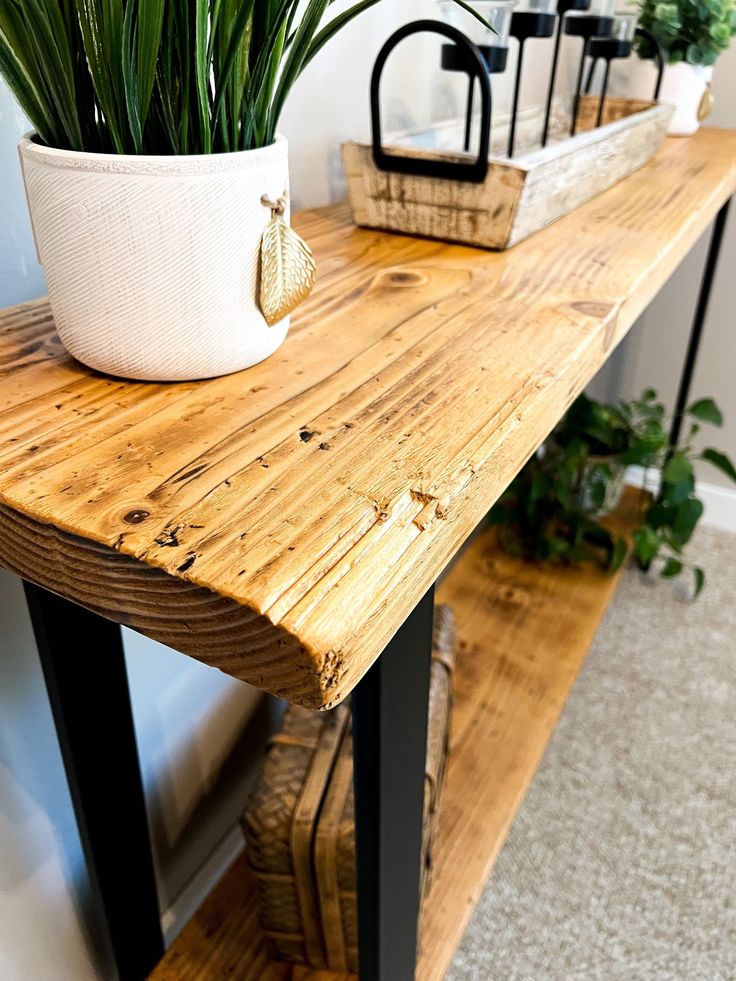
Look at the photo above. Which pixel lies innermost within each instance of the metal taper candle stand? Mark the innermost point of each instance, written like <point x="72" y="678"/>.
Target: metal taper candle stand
<point x="525" y="24"/>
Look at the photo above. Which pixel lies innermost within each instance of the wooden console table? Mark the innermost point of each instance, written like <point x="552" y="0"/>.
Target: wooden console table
<point x="287" y="524"/>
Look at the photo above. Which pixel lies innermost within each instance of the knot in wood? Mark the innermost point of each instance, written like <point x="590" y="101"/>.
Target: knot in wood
<point x="135" y="516"/>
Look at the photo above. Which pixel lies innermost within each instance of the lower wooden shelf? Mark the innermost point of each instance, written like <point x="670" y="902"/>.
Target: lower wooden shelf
<point x="523" y="633"/>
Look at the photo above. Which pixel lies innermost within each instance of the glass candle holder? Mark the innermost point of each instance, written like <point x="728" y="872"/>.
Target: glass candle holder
<point x="534" y="18"/>
<point x="596" y="21"/>
<point x="492" y="46"/>
<point x="624" y="26"/>
<point x="538" y="6"/>
<point x="497" y="13"/>
<point x="618" y="44"/>
<point x="602" y="8"/>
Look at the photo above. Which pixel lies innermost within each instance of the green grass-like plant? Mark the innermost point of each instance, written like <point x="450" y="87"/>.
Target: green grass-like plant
<point x="694" y="31"/>
<point x="161" y="76"/>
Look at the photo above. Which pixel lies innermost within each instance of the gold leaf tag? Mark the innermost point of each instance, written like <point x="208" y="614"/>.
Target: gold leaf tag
<point x="707" y="103"/>
<point x="287" y="266"/>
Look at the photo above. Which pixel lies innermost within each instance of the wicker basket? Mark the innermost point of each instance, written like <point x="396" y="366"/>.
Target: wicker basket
<point x="300" y="828"/>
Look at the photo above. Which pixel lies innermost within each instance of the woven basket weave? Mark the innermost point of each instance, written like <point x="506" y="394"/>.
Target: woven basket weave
<point x="300" y="826"/>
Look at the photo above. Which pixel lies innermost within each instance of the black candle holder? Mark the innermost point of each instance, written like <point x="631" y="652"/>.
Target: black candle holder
<point x="586" y="26"/>
<point x="659" y="56"/>
<point x="525" y="24"/>
<point x="563" y="7"/>
<point x="455" y="59"/>
<point x="605" y="49"/>
<point x="609" y="49"/>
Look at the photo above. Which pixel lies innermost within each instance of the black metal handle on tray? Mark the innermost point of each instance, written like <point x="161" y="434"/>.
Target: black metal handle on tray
<point x="659" y="56"/>
<point x="472" y="172"/>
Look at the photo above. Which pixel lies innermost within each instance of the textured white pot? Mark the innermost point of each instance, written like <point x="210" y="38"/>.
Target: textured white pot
<point x="152" y="262"/>
<point x="683" y="86"/>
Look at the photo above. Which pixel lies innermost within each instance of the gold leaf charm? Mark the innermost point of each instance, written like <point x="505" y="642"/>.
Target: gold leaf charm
<point x="707" y="103"/>
<point x="287" y="266"/>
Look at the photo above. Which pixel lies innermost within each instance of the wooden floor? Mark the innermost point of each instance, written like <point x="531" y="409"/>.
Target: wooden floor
<point x="523" y="635"/>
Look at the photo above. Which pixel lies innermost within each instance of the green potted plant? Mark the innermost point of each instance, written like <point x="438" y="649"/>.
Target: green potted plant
<point x="552" y="511"/>
<point x="693" y="33"/>
<point x="156" y="179"/>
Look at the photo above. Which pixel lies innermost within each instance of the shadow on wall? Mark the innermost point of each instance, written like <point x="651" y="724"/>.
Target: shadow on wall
<point x="200" y="738"/>
<point x="44" y="890"/>
<point x="21" y="277"/>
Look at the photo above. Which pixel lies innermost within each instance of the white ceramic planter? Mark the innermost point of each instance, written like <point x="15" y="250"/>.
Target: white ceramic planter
<point x="152" y="263"/>
<point x="683" y="86"/>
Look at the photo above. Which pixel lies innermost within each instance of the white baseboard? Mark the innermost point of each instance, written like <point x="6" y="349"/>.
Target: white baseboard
<point x="720" y="506"/>
<point x="720" y="502"/>
<point x="186" y="904"/>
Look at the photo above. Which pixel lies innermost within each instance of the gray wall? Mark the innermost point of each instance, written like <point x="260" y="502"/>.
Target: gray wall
<point x="653" y="353"/>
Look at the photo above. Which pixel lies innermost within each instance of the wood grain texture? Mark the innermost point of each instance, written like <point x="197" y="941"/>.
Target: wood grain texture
<point x="519" y="196"/>
<point x="282" y="522"/>
<point x="523" y="633"/>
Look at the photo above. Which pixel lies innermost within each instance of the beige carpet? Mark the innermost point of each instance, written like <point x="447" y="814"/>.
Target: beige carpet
<point x="621" y="864"/>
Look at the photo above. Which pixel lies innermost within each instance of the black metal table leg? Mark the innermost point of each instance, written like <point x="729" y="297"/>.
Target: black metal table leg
<point x="696" y="331"/>
<point x="84" y="668"/>
<point x="390" y="707"/>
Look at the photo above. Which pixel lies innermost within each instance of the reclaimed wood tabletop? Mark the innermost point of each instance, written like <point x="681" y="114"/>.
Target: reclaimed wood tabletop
<point x="282" y="522"/>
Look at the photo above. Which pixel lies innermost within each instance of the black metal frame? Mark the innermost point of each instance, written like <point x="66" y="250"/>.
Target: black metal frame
<point x="84" y="668"/>
<point x="390" y="707"/>
<point x="525" y="24"/>
<point x="660" y="57"/>
<point x="696" y="331"/>
<point x="586" y="26"/>
<point x="563" y="8"/>
<point x="609" y="49"/>
<point x="473" y="172"/>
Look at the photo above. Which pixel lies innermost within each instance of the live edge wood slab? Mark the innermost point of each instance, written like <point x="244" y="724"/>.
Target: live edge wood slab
<point x="282" y="522"/>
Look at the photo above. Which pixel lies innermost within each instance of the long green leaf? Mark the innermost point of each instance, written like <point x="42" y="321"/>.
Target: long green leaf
<point x="298" y="51"/>
<point x="48" y="31"/>
<point x="130" y="76"/>
<point x="148" y="37"/>
<point x="97" y="28"/>
<point x="202" y="73"/>
<point x="236" y="33"/>
<point x="161" y="76"/>
<point x="16" y="66"/>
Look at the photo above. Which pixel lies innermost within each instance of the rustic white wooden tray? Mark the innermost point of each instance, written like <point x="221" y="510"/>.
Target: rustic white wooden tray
<point x="519" y="196"/>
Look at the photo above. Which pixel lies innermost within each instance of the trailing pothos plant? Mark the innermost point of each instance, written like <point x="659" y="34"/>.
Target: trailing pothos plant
<point x="162" y="76"/>
<point x="552" y="511"/>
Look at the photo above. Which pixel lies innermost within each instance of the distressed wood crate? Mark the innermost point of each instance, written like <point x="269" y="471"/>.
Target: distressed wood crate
<point x="299" y="825"/>
<point x="519" y="196"/>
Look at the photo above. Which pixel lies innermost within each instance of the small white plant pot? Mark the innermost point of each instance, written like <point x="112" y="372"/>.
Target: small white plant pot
<point x="152" y="262"/>
<point x="683" y="86"/>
